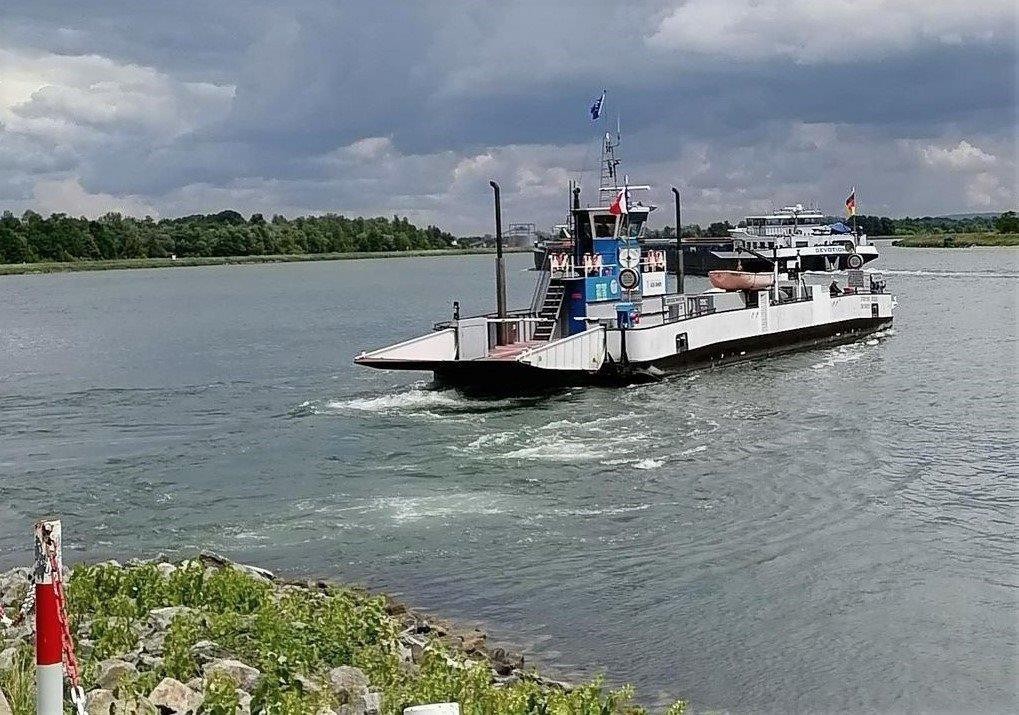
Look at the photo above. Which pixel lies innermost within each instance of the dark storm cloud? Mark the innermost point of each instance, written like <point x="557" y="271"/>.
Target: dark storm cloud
<point x="184" y="104"/>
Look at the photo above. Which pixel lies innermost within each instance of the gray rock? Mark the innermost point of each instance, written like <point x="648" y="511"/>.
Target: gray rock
<point x="153" y="644"/>
<point x="211" y="559"/>
<point x="308" y="685"/>
<point x="243" y="675"/>
<point x="244" y="702"/>
<point x="207" y="651"/>
<point x="372" y="703"/>
<point x="349" y="683"/>
<point x="165" y="569"/>
<point x="112" y="672"/>
<point x="100" y="702"/>
<point x="174" y="696"/>
<point x="473" y="641"/>
<point x="406" y="654"/>
<point x="259" y="574"/>
<point x="150" y="662"/>
<point x="7" y="658"/>
<point x="196" y="684"/>
<point x="5" y="707"/>
<point x="139" y="705"/>
<point x="14" y="585"/>
<point x="161" y="618"/>
<point x="83" y="647"/>
<point x="18" y="634"/>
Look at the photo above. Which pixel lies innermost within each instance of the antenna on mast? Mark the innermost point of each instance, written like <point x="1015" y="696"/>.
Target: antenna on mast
<point x="609" y="162"/>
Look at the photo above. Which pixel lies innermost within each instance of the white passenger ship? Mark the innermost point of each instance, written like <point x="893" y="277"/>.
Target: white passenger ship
<point x="607" y="311"/>
<point x="793" y="232"/>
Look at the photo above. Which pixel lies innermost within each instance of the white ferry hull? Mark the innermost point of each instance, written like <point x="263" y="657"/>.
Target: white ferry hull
<point x="613" y="356"/>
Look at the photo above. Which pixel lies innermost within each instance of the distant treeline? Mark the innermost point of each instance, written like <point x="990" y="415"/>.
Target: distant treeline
<point x="880" y="226"/>
<point x="32" y="238"/>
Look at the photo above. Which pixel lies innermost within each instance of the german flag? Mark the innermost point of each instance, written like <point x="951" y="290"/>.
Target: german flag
<point x="851" y="203"/>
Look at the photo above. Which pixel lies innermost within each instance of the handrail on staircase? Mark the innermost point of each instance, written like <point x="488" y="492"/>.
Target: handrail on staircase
<point x="541" y="286"/>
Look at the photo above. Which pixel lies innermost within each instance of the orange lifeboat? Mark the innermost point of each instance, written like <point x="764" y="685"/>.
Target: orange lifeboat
<point x="741" y="280"/>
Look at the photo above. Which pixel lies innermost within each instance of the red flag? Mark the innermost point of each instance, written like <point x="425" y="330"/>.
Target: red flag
<point x="851" y="203"/>
<point x="619" y="205"/>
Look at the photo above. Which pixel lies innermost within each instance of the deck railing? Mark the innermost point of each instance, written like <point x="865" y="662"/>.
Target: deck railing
<point x="520" y="329"/>
<point x="581" y="351"/>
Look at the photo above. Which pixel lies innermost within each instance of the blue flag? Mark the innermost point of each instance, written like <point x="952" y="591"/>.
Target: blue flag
<point x="596" y="107"/>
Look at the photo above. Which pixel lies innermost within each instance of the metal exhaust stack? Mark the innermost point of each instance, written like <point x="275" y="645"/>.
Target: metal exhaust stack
<point x="679" y="244"/>
<point x="500" y="269"/>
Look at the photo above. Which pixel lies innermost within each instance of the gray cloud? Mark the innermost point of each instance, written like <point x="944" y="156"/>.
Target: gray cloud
<point x="385" y="107"/>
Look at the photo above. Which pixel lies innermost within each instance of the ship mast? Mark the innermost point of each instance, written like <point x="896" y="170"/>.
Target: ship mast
<point x="608" y="180"/>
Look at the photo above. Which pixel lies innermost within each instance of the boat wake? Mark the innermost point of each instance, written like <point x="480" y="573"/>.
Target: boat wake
<point x="418" y="401"/>
<point x="948" y="274"/>
<point x="925" y="272"/>
<point x="839" y="356"/>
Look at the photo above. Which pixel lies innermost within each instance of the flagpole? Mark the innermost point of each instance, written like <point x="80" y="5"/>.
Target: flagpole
<point x="856" y="231"/>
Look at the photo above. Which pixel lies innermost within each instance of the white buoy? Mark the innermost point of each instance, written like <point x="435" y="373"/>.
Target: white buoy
<point x="434" y="709"/>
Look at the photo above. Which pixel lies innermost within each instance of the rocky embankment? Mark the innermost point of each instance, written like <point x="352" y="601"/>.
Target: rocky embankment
<point x="210" y="636"/>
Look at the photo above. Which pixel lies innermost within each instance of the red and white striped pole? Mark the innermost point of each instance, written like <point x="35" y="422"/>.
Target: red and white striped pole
<point x="49" y="666"/>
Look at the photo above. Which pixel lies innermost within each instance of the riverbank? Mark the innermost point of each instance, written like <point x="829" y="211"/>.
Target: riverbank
<point x="128" y="263"/>
<point x="207" y="633"/>
<point x="957" y="240"/>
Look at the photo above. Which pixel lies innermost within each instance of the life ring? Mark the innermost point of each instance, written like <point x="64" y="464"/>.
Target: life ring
<point x="629" y="279"/>
<point x="854" y="261"/>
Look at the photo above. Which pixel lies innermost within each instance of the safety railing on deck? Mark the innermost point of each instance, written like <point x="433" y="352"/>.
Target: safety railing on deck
<point x="544" y="278"/>
<point x="582" y="351"/>
<point x="518" y="330"/>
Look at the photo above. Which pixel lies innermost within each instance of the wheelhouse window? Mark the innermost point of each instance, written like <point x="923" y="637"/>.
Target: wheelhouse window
<point x="604" y="226"/>
<point x="635" y="224"/>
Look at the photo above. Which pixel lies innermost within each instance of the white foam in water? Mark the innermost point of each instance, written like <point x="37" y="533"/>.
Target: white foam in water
<point x="649" y="464"/>
<point x="490" y="439"/>
<point x="416" y="401"/>
<point x="557" y="449"/>
<point x="946" y="274"/>
<point x="839" y="356"/>
<point x="404" y="509"/>
<point x="415" y="398"/>
<point x="560" y="424"/>
<point x="694" y="450"/>
<point x="601" y="512"/>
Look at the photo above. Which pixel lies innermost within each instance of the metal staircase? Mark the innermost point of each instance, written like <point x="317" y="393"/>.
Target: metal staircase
<point x="549" y="311"/>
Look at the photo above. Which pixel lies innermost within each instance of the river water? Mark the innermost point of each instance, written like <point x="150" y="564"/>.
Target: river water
<point x="825" y="530"/>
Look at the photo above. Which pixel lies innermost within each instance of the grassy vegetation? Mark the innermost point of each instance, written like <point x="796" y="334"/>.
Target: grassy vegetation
<point x="124" y="263"/>
<point x="294" y="635"/>
<point x="958" y="240"/>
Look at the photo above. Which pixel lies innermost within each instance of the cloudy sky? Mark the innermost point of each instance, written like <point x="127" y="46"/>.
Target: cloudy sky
<point x="377" y="107"/>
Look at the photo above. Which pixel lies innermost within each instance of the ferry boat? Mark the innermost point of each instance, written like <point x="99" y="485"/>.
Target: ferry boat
<point x="792" y="231"/>
<point x="607" y="311"/>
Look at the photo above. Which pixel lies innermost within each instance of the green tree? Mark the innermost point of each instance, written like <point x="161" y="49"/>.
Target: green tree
<point x="1008" y="222"/>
